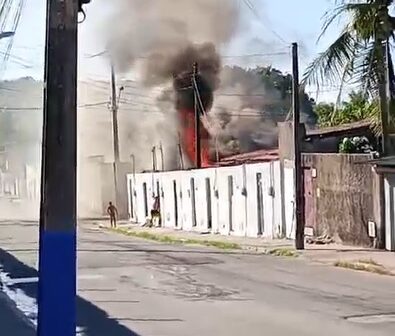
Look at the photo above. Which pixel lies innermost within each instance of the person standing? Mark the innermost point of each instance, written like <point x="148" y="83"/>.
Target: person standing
<point x="113" y="213"/>
<point x="155" y="213"/>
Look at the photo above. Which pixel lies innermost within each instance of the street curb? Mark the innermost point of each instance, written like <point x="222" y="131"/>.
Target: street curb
<point x="276" y="251"/>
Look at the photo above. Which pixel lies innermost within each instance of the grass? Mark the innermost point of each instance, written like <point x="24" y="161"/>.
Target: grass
<point x="363" y="265"/>
<point x="283" y="252"/>
<point x="369" y="262"/>
<point x="166" y="239"/>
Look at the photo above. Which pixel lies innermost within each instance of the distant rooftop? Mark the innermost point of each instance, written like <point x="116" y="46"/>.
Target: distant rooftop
<point x="388" y="161"/>
<point x="262" y="155"/>
<point x="335" y="130"/>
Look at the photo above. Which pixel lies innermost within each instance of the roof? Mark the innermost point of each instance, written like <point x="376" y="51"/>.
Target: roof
<point x="388" y="161"/>
<point x="331" y="131"/>
<point x="383" y="165"/>
<point x="258" y="156"/>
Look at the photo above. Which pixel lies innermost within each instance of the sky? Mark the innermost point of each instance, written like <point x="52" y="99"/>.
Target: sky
<point x="277" y="25"/>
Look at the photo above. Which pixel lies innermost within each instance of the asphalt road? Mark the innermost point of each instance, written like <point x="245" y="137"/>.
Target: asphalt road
<point x="133" y="287"/>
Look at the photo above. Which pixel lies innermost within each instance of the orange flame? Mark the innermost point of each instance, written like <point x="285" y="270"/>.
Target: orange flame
<point x="187" y="121"/>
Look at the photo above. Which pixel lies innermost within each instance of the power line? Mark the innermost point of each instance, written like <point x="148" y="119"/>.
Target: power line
<point x="257" y="15"/>
<point x="277" y="53"/>
<point x="5" y="109"/>
<point x="214" y="111"/>
<point x="21" y="109"/>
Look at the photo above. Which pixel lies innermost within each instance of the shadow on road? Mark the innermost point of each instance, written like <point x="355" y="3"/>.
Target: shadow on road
<point x="12" y="321"/>
<point x="90" y="318"/>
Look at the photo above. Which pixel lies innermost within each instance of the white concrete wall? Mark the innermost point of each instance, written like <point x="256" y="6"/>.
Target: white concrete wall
<point x="271" y="196"/>
<point x="235" y="211"/>
<point x="141" y="198"/>
<point x="289" y="200"/>
<point x="239" y="208"/>
<point x="279" y="207"/>
<point x="389" y="188"/>
<point x="168" y="199"/>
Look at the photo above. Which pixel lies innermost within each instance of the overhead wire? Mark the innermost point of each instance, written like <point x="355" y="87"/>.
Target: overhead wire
<point x="10" y="16"/>
<point x="37" y="108"/>
<point x="253" y="9"/>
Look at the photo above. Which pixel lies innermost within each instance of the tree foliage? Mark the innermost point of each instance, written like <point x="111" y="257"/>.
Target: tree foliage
<point x="274" y="79"/>
<point x="356" y="108"/>
<point x="355" y="145"/>
<point x="250" y="102"/>
<point x="357" y="55"/>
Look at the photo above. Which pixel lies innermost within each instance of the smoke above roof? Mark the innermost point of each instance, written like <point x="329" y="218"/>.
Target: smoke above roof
<point x="160" y="40"/>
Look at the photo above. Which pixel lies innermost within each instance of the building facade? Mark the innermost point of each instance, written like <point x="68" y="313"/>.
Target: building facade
<point x="243" y="200"/>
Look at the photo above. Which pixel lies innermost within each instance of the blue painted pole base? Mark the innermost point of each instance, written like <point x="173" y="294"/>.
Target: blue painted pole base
<point x="57" y="284"/>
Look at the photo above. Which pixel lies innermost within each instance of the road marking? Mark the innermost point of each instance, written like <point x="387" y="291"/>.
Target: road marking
<point x="17" y="281"/>
<point x="26" y="304"/>
<point x="372" y="319"/>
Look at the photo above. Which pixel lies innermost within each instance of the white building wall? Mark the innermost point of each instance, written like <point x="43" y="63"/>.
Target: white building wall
<point x="185" y="200"/>
<point x="143" y="196"/>
<point x="264" y="219"/>
<point x="278" y="201"/>
<point x="289" y="200"/>
<point x="168" y="199"/>
<point x="204" y="193"/>
<point x="231" y="202"/>
<point x="234" y="199"/>
<point x="389" y="187"/>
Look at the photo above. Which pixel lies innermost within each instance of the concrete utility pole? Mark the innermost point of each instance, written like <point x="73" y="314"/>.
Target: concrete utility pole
<point x="154" y="166"/>
<point x="385" y="99"/>
<point x="57" y="253"/>
<point x="298" y="168"/>
<point x="114" y="111"/>
<point x="198" y="149"/>
<point x="162" y="157"/>
<point x="181" y="157"/>
<point x="133" y="159"/>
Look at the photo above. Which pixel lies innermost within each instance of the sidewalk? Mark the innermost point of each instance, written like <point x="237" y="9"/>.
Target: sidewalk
<point x="331" y="254"/>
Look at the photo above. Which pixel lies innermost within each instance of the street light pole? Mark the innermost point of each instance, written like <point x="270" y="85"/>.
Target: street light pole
<point x="57" y="253"/>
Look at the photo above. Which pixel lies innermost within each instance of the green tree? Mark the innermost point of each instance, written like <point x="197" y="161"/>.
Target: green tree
<point x="357" y="55"/>
<point x="356" y="108"/>
<point x="275" y="80"/>
<point x="267" y="89"/>
<point x="324" y="113"/>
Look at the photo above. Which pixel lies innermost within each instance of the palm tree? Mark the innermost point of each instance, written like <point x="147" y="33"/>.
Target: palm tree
<point x="357" y="56"/>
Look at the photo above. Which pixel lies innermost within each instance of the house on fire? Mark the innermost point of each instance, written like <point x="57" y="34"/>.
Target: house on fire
<point x="252" y="194"/>
<point x="241" y="199"/>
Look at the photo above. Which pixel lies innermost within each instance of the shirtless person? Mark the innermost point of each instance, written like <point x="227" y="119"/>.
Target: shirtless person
<point x="113" y="212"/>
